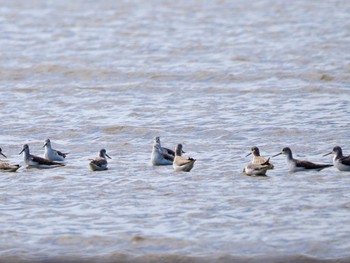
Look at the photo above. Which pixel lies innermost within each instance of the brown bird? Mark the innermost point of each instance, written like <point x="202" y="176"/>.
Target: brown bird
<point x="257" y="159"/>
<point x="181" y="163"/>
<point x="5" y="166"/>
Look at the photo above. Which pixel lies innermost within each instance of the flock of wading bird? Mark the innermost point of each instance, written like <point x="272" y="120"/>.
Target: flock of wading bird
<point x="164" y="156"/>
<point x="258" y="165"/>
<point x="55" y="158"/>
<point x="52" y="158"/>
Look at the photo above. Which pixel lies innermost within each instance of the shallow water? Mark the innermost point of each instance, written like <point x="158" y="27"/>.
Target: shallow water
<point x="218" y="77"/>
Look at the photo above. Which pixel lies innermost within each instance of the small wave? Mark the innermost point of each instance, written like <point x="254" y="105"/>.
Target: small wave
<point x="170" y="258"/>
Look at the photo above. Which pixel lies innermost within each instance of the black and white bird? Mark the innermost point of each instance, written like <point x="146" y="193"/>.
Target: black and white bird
<point x="36" y="161"/>
<point x="300" y="165"/>
<point x="51" y="154"/>
<point x="161" y="155"/>
<point x="100" y="163"/>
<point x="342" y="163"/>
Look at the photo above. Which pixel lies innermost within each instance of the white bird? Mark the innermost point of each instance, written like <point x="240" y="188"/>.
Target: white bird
<point x="100" y="163"/>
<point x="342" y="163"/>
<point x="51" y="154"/>
<point x="36" y="161"/>
<point x="5" y="166"/>
<point x="181" y="163"/>
<point x="300" y="165"/>
<point x="161" y="155"/>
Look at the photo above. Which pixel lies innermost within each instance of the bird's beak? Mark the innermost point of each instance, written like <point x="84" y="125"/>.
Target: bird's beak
<point x="248" y="154"/>
<point x="3" y="154"/>
<point x="44" y="145"/>
<point x="108" y="156"/>
<point x="327" y="154"/>
<point x="276" y="155"/>
<point x="21" y="151"/>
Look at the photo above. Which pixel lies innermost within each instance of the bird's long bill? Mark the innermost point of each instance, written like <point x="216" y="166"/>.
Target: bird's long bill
<point x="3" y="154"/>
<point x="327" y="154"/>
<point x="21" y="151"/>
<point x="248" y="154"/>
<point x="44" y="145"/>
<point x="276" y="155"/>
<point x="108" y="156"/>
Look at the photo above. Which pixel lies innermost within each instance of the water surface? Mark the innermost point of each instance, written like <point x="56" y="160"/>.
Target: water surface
<point x="218" y="77"/>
